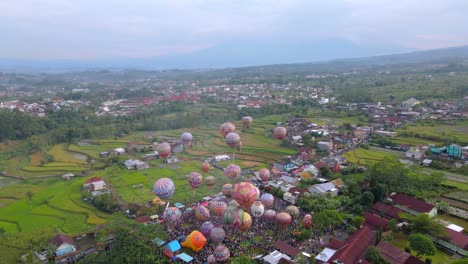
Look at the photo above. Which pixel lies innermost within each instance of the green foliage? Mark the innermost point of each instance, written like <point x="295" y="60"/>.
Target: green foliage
<point x="367" y="199"/>
<point x="357" y="221"/>
<point x="326" y="219"/>
<point x="131" y="244"/>
<point x="421" y="244"/>
<point x="398" y="178"/>
<point x="319" y="203"/>
<point x="305" y="234"/>
<point x="392" y="225"/>
<point x="422" y="223"/>
<point x="373" y="256"/>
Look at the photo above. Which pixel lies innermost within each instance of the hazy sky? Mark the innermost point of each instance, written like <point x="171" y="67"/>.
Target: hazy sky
<point x="87" y="29"/>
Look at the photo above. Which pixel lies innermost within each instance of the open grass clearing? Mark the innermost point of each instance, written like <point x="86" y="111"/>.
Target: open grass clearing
<point x="61" y="153"/>
<point x="400" y="240"/>
<point x="366" y="156"/>
<point x="456" y="184"/>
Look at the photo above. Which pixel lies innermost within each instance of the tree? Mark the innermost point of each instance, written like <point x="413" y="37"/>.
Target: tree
<point x="423" y="224"/>
<point x="326" y="219"/>
<point x="51" y="249"/>
<point x="392" y="225"/>
<point x="357" y="221"/>
<point x="443" y="207"/>
<point x="30" y="195"/>
<point x="2" y="231"/>
<point x="367" y="199"/>
<point x="131" y="244"/>
<point x="373" y="256"/>
<point x="422" y="244"/>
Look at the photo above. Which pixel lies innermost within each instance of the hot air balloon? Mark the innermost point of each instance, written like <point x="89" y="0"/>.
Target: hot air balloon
<point x="164" y="149"/>
<point x="186" y="138"/>
<point x="270" y="215"/>
<point x="257" y="209"/>
<point x="211" y="259"/>
<point x="196" y="241"/>
<point x="202" y="213"/>
<point x="227" y="128"/>
<point x="267" y="199"/>
<point x="307" y="221"/>
<point x="218" y="207"/>
<point x="283" y="219"/>
<point x="164" y="188"/>
<point x="210" y="181"/>
<point x="280" y="132"/>
<point x="206" y="228"/>
<point x="232" y="171"/>
<point x="233" y="216"/>
<point x="245" y="194"/>
<point x="217" y="235"/>
<point x="247" y="121"/>
<point x="205" y="167"/>
<point x="221" y="253"/>
<point x="195" y="179"/>
<point x="227" y="189"/>
<point x="246" y="222"/>
<point x="232" y="139"/>
<point x="233" y="203"/>
<point x="292" y="210"/>
<point x="171" y="214"/>
<point x="264" y="174"/>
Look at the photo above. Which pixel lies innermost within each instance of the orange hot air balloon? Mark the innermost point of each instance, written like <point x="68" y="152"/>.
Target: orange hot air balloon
<point x="205" y="167"/>
<point x="196" y="241"/>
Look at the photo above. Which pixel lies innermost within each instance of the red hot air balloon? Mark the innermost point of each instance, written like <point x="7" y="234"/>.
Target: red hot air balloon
<point x="164" y="149"/>
<point x="280" y="132"/>
<point x="218" y="207"/>
<point x="245" y="194"/>
<point x="270" y="215"/>
<point x="232" y="140"/>
<point x="264" y="174"/>
<point x="195" y="179"/>
<point x="232" y="171"/>
<point x="307" y="221"/>
<point x="283" y="219"/>
<point x="247" y="121"/>
<point x="227" y="128"/>
<point x="221" y="253"/>
<point x="205" y="167"/>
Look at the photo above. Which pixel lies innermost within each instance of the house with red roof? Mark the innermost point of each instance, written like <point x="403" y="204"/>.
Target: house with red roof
<point x="375" y="222"/>
<point x="395" y="255"/>
<point x="351" y="251"/>
<point x="456" y="241"/>
<point x="412" y="205"/>
<point x="387" y="211"/>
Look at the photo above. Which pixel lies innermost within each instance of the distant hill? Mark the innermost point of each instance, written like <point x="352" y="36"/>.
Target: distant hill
<point x="319" y="56"/>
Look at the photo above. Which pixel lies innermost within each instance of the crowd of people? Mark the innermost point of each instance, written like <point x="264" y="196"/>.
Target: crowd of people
<point x="257" y="240"/>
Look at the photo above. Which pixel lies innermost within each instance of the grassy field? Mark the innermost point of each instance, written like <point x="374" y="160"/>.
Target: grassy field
<point x="434" y="133"/>
<point x="365" y="156"/>
<point x="458" y="185"/>
<point x="57" y="205"/>
<point x="401" y="241"/>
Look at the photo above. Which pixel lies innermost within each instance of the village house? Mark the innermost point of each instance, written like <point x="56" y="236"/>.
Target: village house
<point x="395" y="255"/>
<point x="96" y="186"/>
<point x="412" y="205"/>
<point x="351" y="251"/>
<point x="64" y="244"/>
<point x="136" y="165"/>
<point x="330" y="188"/>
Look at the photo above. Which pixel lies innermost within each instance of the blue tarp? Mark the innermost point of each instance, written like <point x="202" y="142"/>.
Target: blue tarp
<point x="185" y="257"/>
<point x="173" y="246"/>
